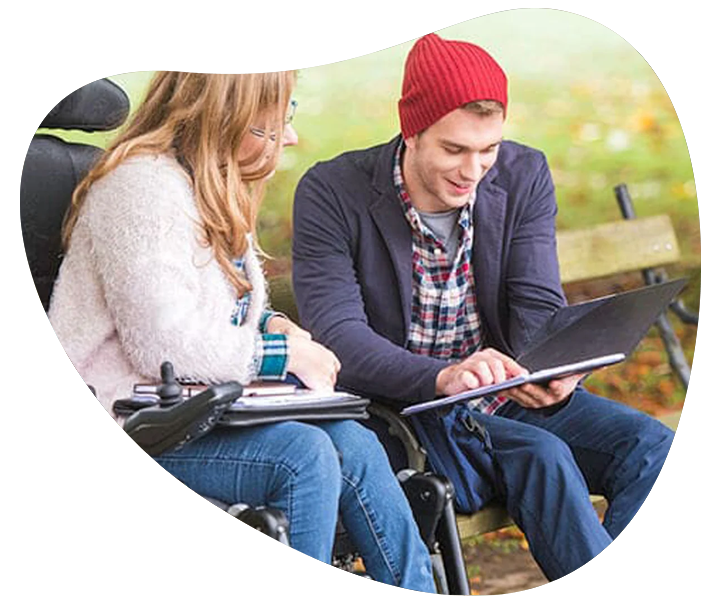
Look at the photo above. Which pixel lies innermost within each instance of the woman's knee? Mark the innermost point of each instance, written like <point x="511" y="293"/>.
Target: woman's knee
<point x="309" y="450"/>
<point x="359" y="448"/>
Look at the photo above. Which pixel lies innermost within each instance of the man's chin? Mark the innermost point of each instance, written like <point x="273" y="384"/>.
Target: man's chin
<point x="456" y="200"/>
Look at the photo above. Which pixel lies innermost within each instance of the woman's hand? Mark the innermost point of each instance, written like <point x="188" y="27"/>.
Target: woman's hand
<point x="316" y="366"/>
<point x="281" y="324"/>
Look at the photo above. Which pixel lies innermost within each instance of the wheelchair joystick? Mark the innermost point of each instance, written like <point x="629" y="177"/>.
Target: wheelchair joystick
<point x="169" y="391"/>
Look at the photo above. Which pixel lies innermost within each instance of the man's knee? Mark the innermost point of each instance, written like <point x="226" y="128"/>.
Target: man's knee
<point x="673" y="450"/>
<point x="648" y="446"/>
<point x="543" y="460"/>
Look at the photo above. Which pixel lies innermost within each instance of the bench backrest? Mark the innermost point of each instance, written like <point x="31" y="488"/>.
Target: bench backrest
<point x="584" y="254"/>
<point x="616" y="247"/>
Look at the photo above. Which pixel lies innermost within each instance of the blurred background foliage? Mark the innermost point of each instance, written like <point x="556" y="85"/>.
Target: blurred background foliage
<point x="578" y="91"/>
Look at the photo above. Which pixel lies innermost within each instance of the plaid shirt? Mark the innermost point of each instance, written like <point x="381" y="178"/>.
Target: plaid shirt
<point x="444" y="321"/>
<point x="271" y="351"/>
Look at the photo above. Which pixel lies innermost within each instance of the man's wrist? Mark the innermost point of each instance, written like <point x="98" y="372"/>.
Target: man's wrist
<point x="442" y="380"/>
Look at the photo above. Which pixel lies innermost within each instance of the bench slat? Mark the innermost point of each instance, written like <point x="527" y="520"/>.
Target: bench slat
<point x="616" y="247"/>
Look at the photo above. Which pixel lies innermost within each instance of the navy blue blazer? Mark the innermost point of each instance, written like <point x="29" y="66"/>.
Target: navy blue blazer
<point x="352" y="265"/>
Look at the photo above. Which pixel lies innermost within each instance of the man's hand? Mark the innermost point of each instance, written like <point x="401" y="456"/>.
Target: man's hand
<point x="485" y="367"/>
<point x="532" y="395"/>
<point x="490" y="366"/>
<point x="280" y="324"/>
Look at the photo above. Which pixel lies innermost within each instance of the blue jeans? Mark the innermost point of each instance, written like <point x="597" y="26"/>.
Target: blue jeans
<point x="548" y="463"/>
<point x="312" y="471"/>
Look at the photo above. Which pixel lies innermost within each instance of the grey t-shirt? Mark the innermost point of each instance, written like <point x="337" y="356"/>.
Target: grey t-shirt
<point x="446" y="228"/>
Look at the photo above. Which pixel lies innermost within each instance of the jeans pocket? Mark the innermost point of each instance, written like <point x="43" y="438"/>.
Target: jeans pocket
<point x="476" y="444"/>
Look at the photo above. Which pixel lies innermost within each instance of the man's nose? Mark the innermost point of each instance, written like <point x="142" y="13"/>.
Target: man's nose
<point x="477" y="164"/>
<point x="473" y="167"/>
<point x="290" y="136"/>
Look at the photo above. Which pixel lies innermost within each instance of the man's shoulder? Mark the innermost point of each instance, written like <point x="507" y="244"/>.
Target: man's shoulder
<point x="518" y="165"/>
<point x="359" y="163"/>
<point x="514" y="154"/>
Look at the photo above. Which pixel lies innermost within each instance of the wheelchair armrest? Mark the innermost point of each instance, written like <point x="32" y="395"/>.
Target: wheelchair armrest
<point x="157" y="429"/>
<point x="80" y="394"/>
<point x="399" y="428"/>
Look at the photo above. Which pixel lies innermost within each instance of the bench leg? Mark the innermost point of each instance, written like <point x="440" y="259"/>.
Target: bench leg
<point x="674" y="350"/>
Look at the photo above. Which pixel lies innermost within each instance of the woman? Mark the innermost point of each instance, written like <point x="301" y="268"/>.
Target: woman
<point x="162" y="264"/>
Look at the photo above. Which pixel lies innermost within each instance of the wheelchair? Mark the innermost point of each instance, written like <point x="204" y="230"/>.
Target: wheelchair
<point x="130" y="522"/>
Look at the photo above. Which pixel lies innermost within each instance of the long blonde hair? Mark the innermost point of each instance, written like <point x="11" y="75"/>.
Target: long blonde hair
<point x="201" y="119"/>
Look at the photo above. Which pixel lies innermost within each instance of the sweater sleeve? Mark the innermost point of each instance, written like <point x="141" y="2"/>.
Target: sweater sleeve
<point x="164" y="290"/>
<point x="271" y="357"/>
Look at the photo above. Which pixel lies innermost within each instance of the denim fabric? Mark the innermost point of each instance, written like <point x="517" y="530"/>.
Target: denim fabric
<point x="548" y="463"/>
<point x="461" y="449"/>
<point x="310" y="471"/>
<point x="376" y="512"/>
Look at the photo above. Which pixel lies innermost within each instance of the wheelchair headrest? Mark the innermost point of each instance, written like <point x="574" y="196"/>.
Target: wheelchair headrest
<point x="98" y="106"/>
<point x="53" y="168"/>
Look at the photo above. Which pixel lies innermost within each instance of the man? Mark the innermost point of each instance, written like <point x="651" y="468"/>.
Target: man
<point x="428" y="262"/>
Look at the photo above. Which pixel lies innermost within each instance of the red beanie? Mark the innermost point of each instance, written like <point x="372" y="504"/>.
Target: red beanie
<point x="442" y="75"/>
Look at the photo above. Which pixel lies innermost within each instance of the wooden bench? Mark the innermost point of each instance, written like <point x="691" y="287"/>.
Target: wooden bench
<point x="586" y="254"/>
<point x="615" y="248"/>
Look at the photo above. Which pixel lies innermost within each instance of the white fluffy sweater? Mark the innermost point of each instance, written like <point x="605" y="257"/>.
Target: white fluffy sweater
<point x="137" y="287"/>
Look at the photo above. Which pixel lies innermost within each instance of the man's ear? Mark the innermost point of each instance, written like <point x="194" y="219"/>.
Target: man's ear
<point x="411" y="142"/>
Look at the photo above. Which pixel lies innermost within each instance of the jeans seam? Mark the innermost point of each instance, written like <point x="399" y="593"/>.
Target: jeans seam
<point x="374" y="529"/>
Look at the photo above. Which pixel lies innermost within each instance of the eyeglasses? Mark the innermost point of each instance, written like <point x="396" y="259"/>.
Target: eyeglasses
<point x="289" y="116"/>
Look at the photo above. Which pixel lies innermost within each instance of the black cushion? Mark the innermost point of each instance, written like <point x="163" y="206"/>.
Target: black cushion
<point x="98" y="106"/>
<point x="52" y="170"/>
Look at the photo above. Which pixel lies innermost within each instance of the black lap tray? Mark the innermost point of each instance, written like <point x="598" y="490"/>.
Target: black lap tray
<point x="346" y="407"/>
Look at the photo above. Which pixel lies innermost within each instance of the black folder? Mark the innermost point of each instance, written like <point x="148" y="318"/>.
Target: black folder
<point x="258" y="405"/>
<point x="580" y="338"/>
<point x="302" y="405"/>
